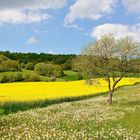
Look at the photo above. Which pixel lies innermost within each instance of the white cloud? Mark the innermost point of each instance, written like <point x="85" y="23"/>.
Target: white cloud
<point x="89" y="9"/>
<point x="118" y="30"/>
<point x="31" y="4"/>
<point x="27" y="11"/>
<point x="19" y="17"/>
<point x="51" y="52"/>
<point x="132" y="6"/>
<point x="73" y="26"/>
<point x="32" y="40"/>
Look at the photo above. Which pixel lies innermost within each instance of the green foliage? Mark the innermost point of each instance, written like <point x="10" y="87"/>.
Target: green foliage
<point x="41" y="68"/>
<point x="67" y="65"/>
<point x="32" y="78"/>
<point x="19" y="77"/>
<point x="58" y="71"/>
<point x="38" y="58"/>
<point x="3" y="58"/>
<point x="22" y="65"/>
<point x="9" y="65"/>
<point x="16" y="77"/>
<point x="4" y="78"/>
<point x="52" y="78"/>
<point x="79" y="76"/>
<point x="29" y="66"/>
<point x="50" y="70"/>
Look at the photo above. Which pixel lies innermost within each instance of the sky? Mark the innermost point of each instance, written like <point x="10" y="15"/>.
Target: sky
<point x="64" y="26"/>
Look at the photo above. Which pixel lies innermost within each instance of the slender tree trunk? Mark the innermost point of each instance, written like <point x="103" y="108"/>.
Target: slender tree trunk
<point x="110" y="97"/>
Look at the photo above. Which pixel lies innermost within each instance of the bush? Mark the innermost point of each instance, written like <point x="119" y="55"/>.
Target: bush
<point x="41" y="68"/>
<point x="53" y="78"/>
<point x="10" y="65"/>
<point x="12" y="78"/>
<point x="4" y="79"/>
<point x="29" y="66"/>
<point x="3" y="58"/>
<point x="50" y="70"/>
<point x="79" y="76"/>
<point x="67" y="65"/>
<point x="19" y="77"/>
<point x="58" y="71"/>
<point x="22" y="65"/>
<point x="54" y="70"/>
<point x="31" y="78"/>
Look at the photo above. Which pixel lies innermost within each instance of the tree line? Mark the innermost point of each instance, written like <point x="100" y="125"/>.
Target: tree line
<point x="38" y="58"/>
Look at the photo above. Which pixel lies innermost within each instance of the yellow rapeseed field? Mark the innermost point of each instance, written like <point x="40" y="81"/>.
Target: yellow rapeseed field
<point x="53" y="90"/>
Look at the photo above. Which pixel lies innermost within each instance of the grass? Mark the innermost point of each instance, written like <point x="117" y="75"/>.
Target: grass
<point x="70" y="75"/>
<point x="87" y="119"/>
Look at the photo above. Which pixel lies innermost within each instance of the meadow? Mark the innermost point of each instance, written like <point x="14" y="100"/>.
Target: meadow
<point x="80" y="120"/>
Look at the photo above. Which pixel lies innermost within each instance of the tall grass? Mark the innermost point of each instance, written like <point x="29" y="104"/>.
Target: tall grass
<point x="14" y="106"/>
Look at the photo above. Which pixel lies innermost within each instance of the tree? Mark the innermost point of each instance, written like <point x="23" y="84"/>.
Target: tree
<point x="29" y="66"/>
<point x="41" y="68"/>
<point x="3" y="58"/>
<point x="50" y="70"/>
<point x="110" y="58"/>
<point x="58" y="71"/>
<point x="10" y="65"/>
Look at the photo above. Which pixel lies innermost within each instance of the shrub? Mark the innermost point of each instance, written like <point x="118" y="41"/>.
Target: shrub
<point x="79" y="76"/>
<point x="31" y="78"/>
<point x="10" y="65"/>
<point x="3" y="58"/>
<point x="12" y="78"/>
<point x="40" y="68"/>
<point x="53" y="78"/>
<point x="22" y="65"/>
<point x="67" y="65"/>
<point x="58" y="71"/>
<point x="4" y="79"/>
<point x="54" y="70"/>
<point x="29" y="66"/>
<point x="19" y="77"/>
<point x="50" y="70"/>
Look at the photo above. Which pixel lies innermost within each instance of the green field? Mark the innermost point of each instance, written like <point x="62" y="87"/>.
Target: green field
<point x="80" y="120"/>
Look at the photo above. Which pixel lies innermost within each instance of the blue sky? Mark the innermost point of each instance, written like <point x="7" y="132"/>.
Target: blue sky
<point x="64" y="26"/>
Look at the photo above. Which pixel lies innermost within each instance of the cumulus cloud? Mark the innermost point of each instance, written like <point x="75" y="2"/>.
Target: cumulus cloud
<point x="118" y="30"/>
<point x="32" y="40"/>
<point x="132" y="6"/>
<point x="89" y="9"/>
<point x="27" y="11"/>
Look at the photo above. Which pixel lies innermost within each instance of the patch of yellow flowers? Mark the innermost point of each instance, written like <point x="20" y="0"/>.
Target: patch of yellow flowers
<point x="52" y="90"/>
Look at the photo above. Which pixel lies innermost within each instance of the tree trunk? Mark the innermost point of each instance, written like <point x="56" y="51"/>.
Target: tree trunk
<point x="110" y="97"/>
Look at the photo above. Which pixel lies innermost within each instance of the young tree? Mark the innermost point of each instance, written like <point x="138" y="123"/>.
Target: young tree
<point x="110" y="58"/>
